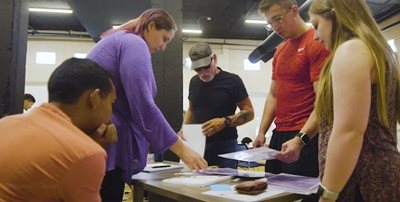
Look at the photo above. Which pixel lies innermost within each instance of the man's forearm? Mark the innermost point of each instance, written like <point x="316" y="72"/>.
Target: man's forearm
<point x="187" y="119"/>
<point x="268" y="115"/>
<point x="311" y="126"/>
<point x="242" y="117"/>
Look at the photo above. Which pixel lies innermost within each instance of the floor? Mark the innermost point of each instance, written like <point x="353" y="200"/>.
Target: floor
<point x="127" y="193"/>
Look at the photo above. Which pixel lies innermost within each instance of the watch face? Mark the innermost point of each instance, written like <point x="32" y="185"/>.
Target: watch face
<point x="304" y="137"/>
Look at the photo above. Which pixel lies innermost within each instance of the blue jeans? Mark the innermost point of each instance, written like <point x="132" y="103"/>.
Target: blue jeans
<point x="213" y="149"/>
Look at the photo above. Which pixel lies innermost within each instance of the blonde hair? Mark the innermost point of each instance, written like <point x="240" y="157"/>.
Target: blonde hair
<point x="359" y="23"/>
<point x="161" y="18"/>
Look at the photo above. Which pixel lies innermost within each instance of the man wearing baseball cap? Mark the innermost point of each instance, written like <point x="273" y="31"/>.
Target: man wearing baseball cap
<point x="214" y="95"/>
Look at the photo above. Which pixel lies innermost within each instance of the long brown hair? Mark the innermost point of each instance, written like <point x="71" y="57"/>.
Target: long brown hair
<point x="348" y="23"/>
<point x="161" y="18"/>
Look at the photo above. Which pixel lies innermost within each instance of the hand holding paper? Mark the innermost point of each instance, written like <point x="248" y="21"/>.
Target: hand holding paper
<point x="290" y="151"/>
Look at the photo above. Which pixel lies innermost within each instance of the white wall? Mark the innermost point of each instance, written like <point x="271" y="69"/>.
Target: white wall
<point x="37" y="75"/>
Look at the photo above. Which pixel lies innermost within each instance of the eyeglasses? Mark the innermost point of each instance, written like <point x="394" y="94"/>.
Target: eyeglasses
<point x="200" y="68"/>
<point x="276" y="21"/>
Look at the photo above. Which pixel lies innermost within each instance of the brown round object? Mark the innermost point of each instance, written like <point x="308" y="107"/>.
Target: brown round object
<point x="251" y="187"/>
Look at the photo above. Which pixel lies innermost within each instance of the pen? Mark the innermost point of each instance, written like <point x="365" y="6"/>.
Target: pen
<point x="162" y="166"/>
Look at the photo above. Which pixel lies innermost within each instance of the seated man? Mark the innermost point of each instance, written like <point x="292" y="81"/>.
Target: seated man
<point x="48" y="154"/>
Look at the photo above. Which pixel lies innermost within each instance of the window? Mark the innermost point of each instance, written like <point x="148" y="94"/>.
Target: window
<point x="80" y="55"/>
<point x="250" y="66"/>
<point x="188" y="63"/>
<point x="47" y="58"/>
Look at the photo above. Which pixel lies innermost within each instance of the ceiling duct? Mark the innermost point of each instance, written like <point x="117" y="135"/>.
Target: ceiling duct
<point x="265" y="51"/>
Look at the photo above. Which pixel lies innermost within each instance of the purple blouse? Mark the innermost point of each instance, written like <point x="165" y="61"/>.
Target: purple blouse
<point x="138" y="120"/>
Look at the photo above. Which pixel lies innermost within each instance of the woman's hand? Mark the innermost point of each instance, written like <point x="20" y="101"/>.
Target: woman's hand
<point x="193" y="160"/>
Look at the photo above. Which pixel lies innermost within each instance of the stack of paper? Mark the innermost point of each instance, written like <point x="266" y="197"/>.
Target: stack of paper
<point x="234" y="172"/>
<point x="294" y="183"/>
<point x="197" y="180"/>
<point x="235" y="196"/>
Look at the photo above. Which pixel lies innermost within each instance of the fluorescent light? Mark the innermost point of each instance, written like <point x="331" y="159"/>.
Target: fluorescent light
<point x="193" y="31"/>
<point x="48" y="10"/>
<point x="255" y="21"/>
<point x="116" y="26"/>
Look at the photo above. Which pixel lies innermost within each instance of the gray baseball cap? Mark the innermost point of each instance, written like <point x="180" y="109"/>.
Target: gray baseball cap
<point x="200" y="55"/>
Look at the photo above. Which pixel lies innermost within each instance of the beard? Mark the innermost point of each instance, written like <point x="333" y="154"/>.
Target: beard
<point x="207" y="78"/>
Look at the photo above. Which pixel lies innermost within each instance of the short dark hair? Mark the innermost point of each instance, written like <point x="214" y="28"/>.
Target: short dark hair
<point x="75" y="76"/>
<point x="29" y="97"/>
<point x="265" y="5"/>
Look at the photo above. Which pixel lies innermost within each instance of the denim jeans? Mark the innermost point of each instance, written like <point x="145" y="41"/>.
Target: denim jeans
<point x="213" y="149"/>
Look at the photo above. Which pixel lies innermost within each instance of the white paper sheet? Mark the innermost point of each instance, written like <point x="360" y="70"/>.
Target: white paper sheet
<point x="197" y="180"/>
<point x="233" y="195"/>
<point x="194" y="137"/>
<point x="257" y="154"/>
<point x="234" y="172"/>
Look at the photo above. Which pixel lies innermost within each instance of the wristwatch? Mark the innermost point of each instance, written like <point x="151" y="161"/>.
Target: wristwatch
<point x="326" y="194"/>
<point x="228" y="121"/>
<point x="303" y="137"/>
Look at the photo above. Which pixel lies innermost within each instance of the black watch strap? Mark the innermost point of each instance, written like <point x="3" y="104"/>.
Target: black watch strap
<point x="228" y="121"/>
<point x="303" y="137"/>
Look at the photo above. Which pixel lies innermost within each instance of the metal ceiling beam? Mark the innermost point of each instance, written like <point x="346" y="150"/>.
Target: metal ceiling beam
<point x="98" y="16"/>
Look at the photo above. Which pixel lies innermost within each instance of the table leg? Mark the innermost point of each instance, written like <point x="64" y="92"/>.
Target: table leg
<point x="138" y="193"/>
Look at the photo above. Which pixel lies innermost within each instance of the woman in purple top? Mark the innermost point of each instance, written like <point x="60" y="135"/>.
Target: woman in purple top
<point x="126" y="53"/>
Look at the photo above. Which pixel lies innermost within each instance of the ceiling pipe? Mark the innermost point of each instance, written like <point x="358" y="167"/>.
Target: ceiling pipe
<point x="265" y="51"/>
<point x="69" y="33"/>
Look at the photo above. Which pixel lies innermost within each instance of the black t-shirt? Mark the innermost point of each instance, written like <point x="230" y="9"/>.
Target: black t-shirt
<point x="216" y="99"/>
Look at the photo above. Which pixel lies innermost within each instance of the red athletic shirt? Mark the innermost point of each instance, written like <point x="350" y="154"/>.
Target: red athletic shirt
<point x="297" y="64"/>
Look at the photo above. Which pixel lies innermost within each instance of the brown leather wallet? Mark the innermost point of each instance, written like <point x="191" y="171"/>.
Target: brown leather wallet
<point x="252" y="187"/>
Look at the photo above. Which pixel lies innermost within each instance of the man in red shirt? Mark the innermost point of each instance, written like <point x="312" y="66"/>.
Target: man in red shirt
<point x="290" y="101"/>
